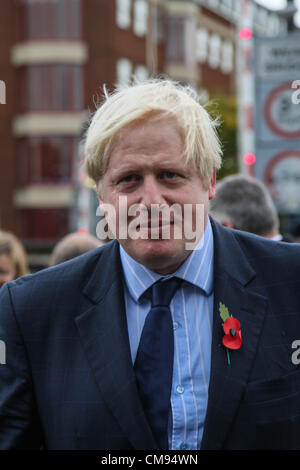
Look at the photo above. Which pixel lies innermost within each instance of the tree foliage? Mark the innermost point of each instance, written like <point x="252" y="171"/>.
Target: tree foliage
<point x="225" y="109"/>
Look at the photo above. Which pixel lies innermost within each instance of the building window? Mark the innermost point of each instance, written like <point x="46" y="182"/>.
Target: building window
<point x="227" y="56"/>
<point x="202" y="45"/>
<point x="124" y="71"/>
<point x="140" y="21"/>
<point x="44" y="224"/>
<point x="141" y="73"/>
<point x="157" y="23"/>
<point x="272" y="25"/>
<point x="214" y="51"/>
<point x="226" y="6"/>
<point x="45" y="160"/>
<point x="48" y="19"/>
<point x="123" y="12"/>
<point x="176" y="39"/>
<point x="261" y="16"/>
<point x="213" y="3"/>
<point x="55" y="87"/>
<point x="235" y="7"/>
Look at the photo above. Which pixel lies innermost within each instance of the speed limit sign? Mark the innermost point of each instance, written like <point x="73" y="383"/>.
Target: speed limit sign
<point x="281" y="114"/>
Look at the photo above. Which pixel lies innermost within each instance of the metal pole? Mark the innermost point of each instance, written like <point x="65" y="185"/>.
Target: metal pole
<point x="245" y="86"/>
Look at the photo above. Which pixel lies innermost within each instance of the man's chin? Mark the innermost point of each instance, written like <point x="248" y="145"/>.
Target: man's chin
<point x="157" y="255"/>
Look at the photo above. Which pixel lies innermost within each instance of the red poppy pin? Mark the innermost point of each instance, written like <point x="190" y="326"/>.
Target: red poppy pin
<point x="232" y="329"/>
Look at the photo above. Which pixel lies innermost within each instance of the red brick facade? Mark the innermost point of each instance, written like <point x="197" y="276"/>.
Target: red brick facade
<point x="7" y="111"/>
<point x="105" y="43"/>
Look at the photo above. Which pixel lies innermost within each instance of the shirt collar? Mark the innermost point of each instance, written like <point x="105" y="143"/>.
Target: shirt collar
<point x="277" y="237"/>
<point x="196" y="270"/>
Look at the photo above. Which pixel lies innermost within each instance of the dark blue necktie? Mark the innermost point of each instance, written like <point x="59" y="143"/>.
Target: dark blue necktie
<point x="154" y="360"/>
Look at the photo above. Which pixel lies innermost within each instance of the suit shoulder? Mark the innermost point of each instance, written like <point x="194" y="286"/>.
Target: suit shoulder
<point x="71" y="274"/>
<point x="277" y="253"/>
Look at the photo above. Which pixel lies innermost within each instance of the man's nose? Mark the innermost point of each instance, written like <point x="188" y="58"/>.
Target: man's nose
<point x="152" y="192"/>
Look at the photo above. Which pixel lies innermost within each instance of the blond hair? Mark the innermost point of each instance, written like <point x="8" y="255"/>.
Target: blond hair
<point x="11" y="246"/>
<point x="164" y="99"/>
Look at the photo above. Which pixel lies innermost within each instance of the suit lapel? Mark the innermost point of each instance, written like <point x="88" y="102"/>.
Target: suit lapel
<point x="103" y="331"/>
<point x="234" y="281"/>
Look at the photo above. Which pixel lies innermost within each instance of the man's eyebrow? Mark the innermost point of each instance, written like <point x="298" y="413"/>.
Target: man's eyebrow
<point x="126" y="169"/>
<point x="3" y="271"/>
<point x="137" y="170"/>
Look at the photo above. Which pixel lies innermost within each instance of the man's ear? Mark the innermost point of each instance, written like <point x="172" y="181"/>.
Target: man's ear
<point x="100" y="209"/>
<point x="99" y="193"/>
<point x="212" y="187"/>
<point x="100" y="198"/>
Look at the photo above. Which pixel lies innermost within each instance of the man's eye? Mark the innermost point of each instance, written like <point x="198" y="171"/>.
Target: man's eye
<point x="169" y="174"/>
<point x="129" y="179"/>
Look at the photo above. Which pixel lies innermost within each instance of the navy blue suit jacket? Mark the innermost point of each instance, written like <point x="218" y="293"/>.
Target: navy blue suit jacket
<point x="68" y="381"/>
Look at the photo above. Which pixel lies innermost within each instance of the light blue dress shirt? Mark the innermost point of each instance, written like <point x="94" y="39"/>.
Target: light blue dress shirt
<point x="192" y="313"/>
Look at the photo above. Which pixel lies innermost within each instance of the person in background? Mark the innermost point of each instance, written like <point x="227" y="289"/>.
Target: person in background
<point x="244" y="203"/>
<point x="13" y="260"/>
<point x="295" y="232"/>
<point x="72" y="245"/>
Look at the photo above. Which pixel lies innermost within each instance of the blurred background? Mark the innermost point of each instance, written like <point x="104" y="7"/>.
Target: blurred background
<point x="55" y="55"/>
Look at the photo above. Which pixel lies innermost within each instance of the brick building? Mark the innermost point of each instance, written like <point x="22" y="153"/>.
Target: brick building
<point x="55" y="55"/>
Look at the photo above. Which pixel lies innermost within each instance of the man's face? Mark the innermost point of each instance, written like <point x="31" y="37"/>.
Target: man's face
<point x="146" y="166"/>
<point x="7" y="269"/>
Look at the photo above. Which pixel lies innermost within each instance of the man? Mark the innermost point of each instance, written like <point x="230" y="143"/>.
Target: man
<point x="244" y="203"/>
<point x="73" y="245"/>
<point x="97" y="358"/>
<point x="295" y="232"/>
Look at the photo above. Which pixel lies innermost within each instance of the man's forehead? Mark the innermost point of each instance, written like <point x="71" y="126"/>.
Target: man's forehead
<point x="148" y="125"/>
<point x="164" y="147"/>
<point x="132" y="163"/>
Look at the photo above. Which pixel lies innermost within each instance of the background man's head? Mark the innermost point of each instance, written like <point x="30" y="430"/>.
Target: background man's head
<point x="295" y="232"/>
<point x="155" y="144"/>
<point x="73" y="245"/>
<point x="244" y="203"/>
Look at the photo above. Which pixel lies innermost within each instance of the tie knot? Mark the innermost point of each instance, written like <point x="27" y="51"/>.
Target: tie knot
<point x="163" y="291"/>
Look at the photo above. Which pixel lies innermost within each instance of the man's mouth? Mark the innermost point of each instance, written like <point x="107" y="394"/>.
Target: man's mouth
<point x="155" y="224"/>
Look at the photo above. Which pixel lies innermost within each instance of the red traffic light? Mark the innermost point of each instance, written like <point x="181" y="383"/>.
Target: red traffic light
<point x="245" y="34"/>
<point x="249" y="159"/>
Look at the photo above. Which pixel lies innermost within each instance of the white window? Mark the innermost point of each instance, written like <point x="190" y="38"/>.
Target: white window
<point x="202" y="45"/>
<point x="124" y="70"/>
<point x="214" y="51"/>
<point x="157" y="23"/>
<point x="140" y="21"/>
<point x="227" y="56"/>
<point x="203" y="96"/>
<point x="262" y="16"/>
<point x="123" y="8"/>
<point x="235" y="6"/>
<point x="272" y="24"/>
<point x="175" y="39"/>
<point x="141" y="73"/>
<point x="226" y="5"/>
<point x="213" y="3"/>
<point x="276" y="23"/>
